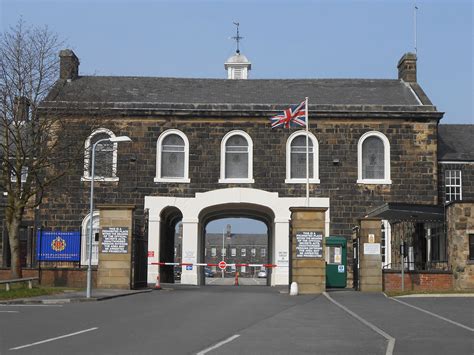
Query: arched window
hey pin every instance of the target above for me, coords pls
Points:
(236, 158)
(105, 156)
(296, 158)
(373, 156)
(172, 157)
(85, 239)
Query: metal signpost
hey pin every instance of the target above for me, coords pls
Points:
(89, 262)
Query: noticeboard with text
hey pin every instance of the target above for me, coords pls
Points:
(58, 246)
(309, 244)
(114, 240)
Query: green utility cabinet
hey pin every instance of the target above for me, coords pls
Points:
(336, 262)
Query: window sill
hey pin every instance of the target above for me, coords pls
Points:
(301, 181)
(177, 180)
(100, 178)
(375, 181)
(236, 181)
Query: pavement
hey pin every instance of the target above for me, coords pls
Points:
(75, 296)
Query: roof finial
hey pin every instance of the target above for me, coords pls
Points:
(237, 38)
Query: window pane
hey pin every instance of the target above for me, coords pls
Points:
(172, 157)
(373, 158)
(173, 141)
(453, 185)
(298, 158)
(104, 156)
(172, 164)
(236, 157)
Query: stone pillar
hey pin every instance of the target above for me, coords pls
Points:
(115, 246)
(370, 259)
(190, 251)
(153, 248)
(308, 267)
(281, 252)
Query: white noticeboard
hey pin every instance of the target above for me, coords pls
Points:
(371, 248)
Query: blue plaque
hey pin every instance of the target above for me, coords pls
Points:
(58, 246)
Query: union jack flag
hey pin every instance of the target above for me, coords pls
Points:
(295, 116)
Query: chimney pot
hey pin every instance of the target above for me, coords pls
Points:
(68, 65)
(407, 68)
(22, 108)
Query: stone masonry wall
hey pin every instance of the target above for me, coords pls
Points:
(460, 223)
(413, 146)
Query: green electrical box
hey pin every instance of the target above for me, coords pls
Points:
(336, 262)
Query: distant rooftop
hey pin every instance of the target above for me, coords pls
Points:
(456, 142)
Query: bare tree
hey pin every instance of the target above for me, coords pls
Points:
(31, 144)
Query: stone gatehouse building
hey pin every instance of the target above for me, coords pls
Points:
(204, 149)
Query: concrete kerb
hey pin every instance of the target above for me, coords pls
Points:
(435, 295)
(74, 297)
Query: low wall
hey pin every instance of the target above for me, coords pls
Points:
(60, 277)
(418, 280)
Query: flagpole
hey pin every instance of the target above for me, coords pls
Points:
(307, 152)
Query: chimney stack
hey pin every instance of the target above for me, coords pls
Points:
(407, 68)
(68, 65)
(22, 108)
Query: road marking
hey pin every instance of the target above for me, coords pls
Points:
(434, 315)
(31, 305)
(228, 340)
(9, 311)
(391, 340)
(53, 339)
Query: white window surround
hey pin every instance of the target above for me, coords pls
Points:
(386, 145)
(185, 178)
(249, 179)
(315, 179)
(84, 238)
(88, 154)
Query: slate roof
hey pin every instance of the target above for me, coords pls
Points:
(456, 142)
(153, 90)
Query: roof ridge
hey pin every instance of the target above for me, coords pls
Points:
(229, 80)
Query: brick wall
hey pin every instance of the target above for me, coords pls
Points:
(75, 278)
(418, 281)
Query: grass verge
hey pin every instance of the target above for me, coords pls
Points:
(25, 292)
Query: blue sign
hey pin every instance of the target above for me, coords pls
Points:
(58, 246)
(189, 267)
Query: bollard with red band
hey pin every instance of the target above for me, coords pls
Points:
(157, 285)
(236, 282)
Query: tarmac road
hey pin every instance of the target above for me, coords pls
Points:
(241, 320)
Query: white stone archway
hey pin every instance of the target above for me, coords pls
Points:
(192, 208)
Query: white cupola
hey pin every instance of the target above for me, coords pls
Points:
(237, 66)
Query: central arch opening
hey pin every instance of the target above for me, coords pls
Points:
(240, 235)
(242, 243)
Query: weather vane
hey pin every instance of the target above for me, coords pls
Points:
(237, 38)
